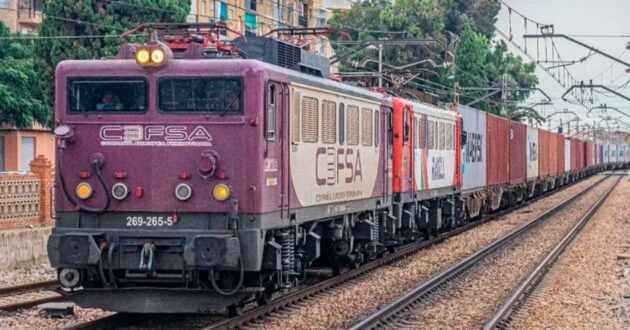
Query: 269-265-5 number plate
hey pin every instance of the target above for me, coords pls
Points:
(150, 221)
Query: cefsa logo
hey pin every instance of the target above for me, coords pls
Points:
(154, 135)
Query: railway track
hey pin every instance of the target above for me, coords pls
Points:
(511, 306)
(28, 288)
(396, 313)
(276, 307)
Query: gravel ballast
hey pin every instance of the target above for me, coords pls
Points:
(385, 284)
(478, 294)
(587, 286)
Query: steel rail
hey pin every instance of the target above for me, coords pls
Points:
(28, 287)
(502, 317)
(390, 311)
(315, 289)
(30, 303)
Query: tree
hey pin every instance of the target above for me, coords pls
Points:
(478, 63)
(68, 18)
(21, 93)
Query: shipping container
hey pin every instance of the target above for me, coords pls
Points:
(553, 154)
(498, 146)
(518, 152)
(576, 154)
(567, 155)
(532, 152)
(623, 153)
(560, 167)
(474, 152)
(588, 154)
(544, 159)
(598, 157)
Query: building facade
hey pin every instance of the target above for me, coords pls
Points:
(252, 17)
(21, 16)
(19, 147)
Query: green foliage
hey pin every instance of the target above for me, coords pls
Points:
(477, 64)
(21, 95)
(95, 18)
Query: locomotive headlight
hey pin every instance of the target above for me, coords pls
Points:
(183, 191)
(120, 191)
(143, 56)
(221, 192)
(84, 190)
(157, 56)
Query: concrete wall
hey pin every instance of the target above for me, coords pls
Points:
(44, 145)
(23, 246)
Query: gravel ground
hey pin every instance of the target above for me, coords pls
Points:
(36, 273)
(34, 318)
(586, 289)
(478, 294)
(387, 283)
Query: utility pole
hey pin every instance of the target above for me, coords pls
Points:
(504, 96)
(380, 65)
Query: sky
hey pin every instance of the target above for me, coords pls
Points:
(577, 18)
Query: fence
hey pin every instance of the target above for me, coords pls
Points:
(27, 198)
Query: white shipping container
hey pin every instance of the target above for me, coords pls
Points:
(532, 153)
(474, 152)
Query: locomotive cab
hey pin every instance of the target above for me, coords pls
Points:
(157, 179)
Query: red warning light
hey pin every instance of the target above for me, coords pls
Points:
(139, 192)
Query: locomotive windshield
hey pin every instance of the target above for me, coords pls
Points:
(206, 95)
(107, 95)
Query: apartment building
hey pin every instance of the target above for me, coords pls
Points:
(21, 16)
(253, 17)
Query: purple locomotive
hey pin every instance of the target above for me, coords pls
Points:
(187, 184)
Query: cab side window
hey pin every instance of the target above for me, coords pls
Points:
(271, 114)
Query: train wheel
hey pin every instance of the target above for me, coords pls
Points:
(236, 310)
(263, 298)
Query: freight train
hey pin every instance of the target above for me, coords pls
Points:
(190, 184)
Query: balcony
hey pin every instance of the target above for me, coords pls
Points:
(30, 12)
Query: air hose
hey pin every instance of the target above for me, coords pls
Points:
(64, 187)
(238, 286)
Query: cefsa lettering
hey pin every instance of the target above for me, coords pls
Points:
(334, 166)
(154, 135)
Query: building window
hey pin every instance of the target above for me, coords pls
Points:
(1, 153)
(4, 4)
(203, 8)
(193, 16)
(251, 4)
(290, 14)
(251, 24)
(28, 153)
